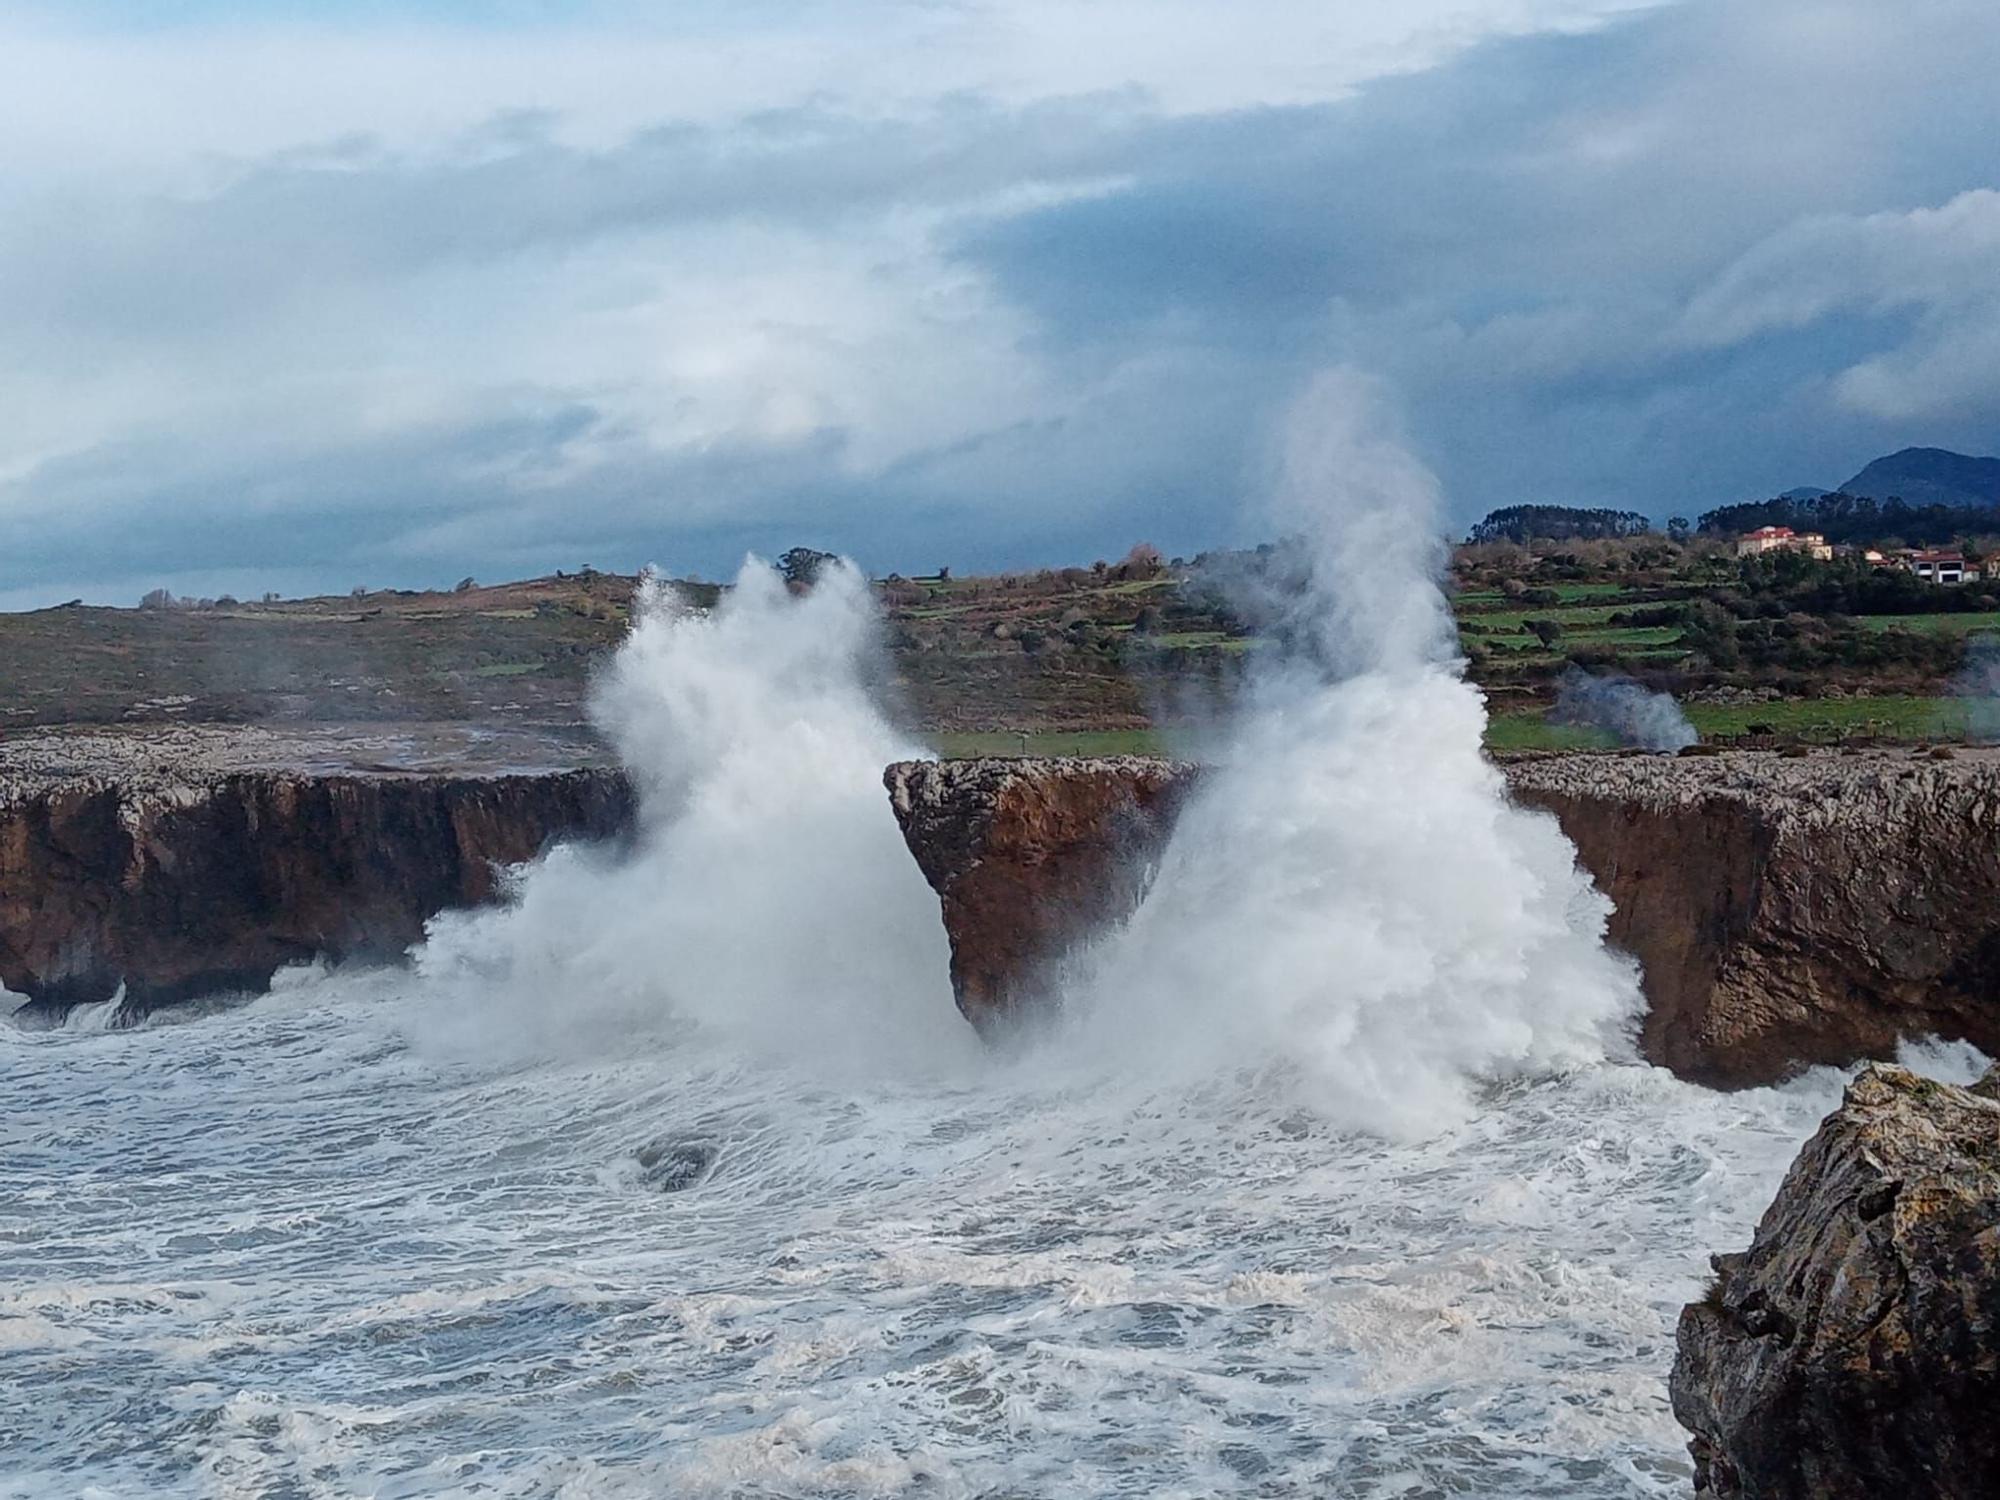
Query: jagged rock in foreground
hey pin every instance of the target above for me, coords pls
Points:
(1785, 911)
(1853, 1353)
(1029, 855)
(162, 863)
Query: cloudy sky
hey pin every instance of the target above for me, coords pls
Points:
(308, 295)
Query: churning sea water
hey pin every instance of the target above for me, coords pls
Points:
(302, 1248)
(678, 1176)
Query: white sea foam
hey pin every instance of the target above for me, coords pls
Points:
(100, 1015)
(281, 1249)
(768, 896)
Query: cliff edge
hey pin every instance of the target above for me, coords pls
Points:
(1785, 911)
(1792, 910)
(176, 865)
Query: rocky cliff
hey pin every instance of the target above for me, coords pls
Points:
(181, 872)
(1784, 910)
(1028, 856)
(1853, 1352)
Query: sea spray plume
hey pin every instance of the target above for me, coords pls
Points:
(1634, 715)
(768, 895)
(1368, 518)
(1350, 892)
(1977, 686)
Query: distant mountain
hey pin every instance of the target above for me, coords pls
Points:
(1930, 476)
(1805, 492)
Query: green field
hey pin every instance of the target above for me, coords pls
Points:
(1902, 718)
(1964, 624)
(1063, 653)
(1624, 635)
(1570, 592)
(1528, 730)
(1500, 620)
(1891, 718)
(507, 669)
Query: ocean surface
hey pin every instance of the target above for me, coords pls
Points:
(677, 1174)
(321, 1245)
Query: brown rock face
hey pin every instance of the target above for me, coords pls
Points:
(1792, 911)
(1853, 1352)
(1028, 856)
(1784, 911)
(177, 890)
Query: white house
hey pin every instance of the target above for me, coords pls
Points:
(1938, 567)
(1783, 539)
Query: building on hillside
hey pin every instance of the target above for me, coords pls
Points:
(1783, 539)
(1938, 567)
(1764, 539)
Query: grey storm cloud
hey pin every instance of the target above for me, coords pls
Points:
(1937, 270)
(1706, 252)
(1697, 257)
(361, 212)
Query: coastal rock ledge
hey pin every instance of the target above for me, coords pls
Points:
(1853, 1352)
(178, 871)
(1784, 911)
(1028, 856)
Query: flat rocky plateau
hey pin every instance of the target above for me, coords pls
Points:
(149, 757)
(1819, 781)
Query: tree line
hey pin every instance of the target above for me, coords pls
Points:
(1838, 516)
(1558, 523)
(1842, 517)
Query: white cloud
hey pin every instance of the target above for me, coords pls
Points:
(707, 232)
(1939, 266)
(174, 95)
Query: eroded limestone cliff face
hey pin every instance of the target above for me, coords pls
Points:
(1792, 910)
(179, 882)
(1853, 1352)
(1784, 911)
(1028, 856)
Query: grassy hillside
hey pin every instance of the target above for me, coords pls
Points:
(1083, 660)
